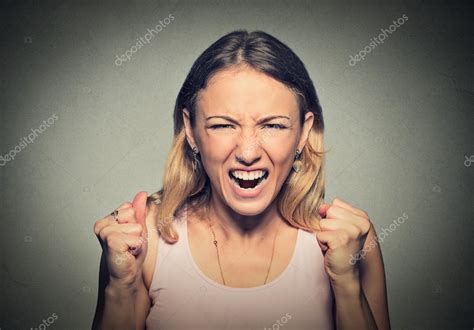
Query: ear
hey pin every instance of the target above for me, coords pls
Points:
(307, 125)
(188, 128)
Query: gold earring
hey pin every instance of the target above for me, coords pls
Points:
(297, 164)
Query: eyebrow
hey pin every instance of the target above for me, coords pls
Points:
(264, 119)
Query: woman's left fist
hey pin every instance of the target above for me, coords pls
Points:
(344, 230)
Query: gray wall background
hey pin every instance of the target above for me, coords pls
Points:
(399, 124)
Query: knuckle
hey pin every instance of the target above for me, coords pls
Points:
(128, 214)
(364, 213)
(103, 235)
(134, 229)
(96, 227)
(354, 231)
(366, 226)
(323, 223)
(126, 205)
(364, 229)
(331, 211)
(343, 237)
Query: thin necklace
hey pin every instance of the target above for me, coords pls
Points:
(217, 251)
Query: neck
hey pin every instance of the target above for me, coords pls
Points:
(244, 230)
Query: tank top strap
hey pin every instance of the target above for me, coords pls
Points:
(164, 249)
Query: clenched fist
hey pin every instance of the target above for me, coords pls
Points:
(344, 230)
(124, 242)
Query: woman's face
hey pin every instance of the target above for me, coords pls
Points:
(247, 124)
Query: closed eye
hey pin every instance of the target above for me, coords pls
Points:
(277, 126)
(219, 126)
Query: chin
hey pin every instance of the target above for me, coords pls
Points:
(248, 208)
(248, 203)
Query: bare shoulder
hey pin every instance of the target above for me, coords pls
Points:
(152, 240)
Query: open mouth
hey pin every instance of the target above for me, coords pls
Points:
(246, 181)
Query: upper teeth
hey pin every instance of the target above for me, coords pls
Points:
(244, 175)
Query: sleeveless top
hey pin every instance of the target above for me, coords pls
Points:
(183, 297)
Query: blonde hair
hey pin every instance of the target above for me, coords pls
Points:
(302, 193)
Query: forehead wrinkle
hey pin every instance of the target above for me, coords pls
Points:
(232, 105)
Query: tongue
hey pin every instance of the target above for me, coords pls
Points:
(248, 183)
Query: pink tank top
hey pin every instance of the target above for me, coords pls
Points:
(183, 297)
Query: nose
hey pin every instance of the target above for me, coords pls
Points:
(248, 149)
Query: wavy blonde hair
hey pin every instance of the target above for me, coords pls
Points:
(302, 193)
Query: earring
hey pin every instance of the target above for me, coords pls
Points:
(297, 164)
(195, 160)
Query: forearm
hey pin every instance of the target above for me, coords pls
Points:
(352, 308)
(119, 308)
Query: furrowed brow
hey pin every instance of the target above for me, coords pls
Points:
(261, 120)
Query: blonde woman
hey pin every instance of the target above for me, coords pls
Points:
(239, 236)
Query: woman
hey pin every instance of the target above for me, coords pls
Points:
(239, 236)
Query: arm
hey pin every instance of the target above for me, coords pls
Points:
(372, 277)
(352, 309)
(361, 299)
(123, 301)
(120, 307)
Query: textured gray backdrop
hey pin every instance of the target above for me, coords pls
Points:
(399, 126)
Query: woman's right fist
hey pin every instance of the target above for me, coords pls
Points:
(124, 242)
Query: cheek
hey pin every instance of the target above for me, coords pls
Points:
(216, 155)
(281, 149)
(219, 141)
(280, 157)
